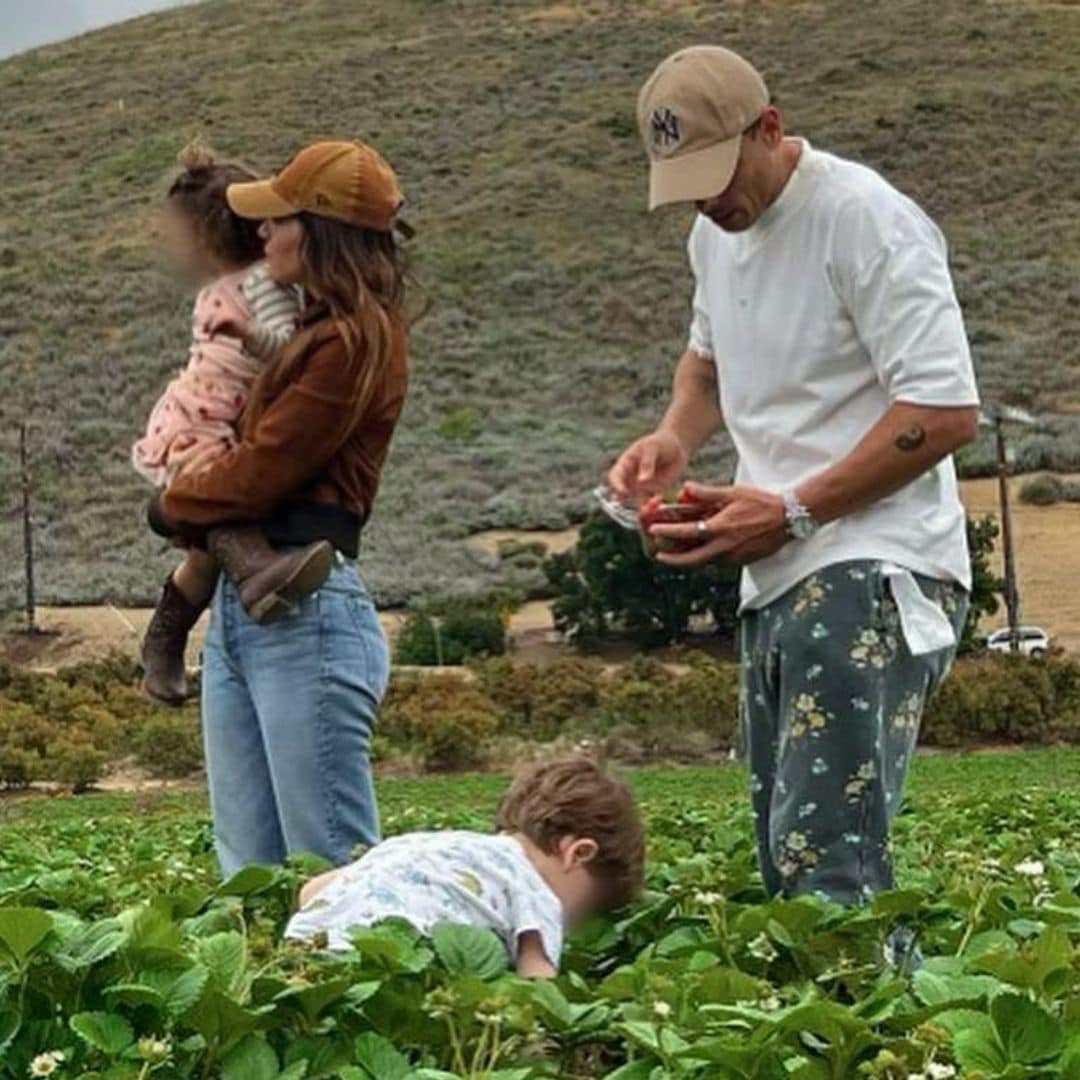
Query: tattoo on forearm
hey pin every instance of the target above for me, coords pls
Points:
(911, 439)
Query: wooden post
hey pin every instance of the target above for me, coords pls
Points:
(28, 531)
(1012, 595)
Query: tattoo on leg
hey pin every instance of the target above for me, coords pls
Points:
(911, 439)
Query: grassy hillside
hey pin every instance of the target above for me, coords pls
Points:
(557, 302)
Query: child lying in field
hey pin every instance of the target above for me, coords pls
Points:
(569, 844)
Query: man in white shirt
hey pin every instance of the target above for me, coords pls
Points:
(827, 339)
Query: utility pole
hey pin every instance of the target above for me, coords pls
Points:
(28, 531)
(996, 417)
(1012, 595)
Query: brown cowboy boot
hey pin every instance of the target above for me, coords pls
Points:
(270, 583)
(164, 645)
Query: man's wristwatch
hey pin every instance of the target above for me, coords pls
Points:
(799, 521)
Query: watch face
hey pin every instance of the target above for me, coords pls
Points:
(802, 526)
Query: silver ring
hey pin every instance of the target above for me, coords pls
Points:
(702, 527)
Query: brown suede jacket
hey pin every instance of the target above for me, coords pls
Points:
(307, 465)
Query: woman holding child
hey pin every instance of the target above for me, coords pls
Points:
(295, 660)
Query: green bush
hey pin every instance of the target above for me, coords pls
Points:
(24, 735)
(69, 749)
(451, 632)
(542, 702)
(446, 720)
(659, 707)
(169, 744)
(1042, 490)
(607, 587)
(65, 728)
(1006, 699)
(986, 586)
(75, 760)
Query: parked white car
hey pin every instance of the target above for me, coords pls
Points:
(1034, 641)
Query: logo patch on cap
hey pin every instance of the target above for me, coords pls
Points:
(665, 127)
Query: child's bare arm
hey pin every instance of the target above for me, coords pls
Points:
(532, 961)
(312, 888)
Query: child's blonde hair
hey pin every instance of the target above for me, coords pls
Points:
(576, 796)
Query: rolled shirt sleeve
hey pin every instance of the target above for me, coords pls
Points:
(898, 289)
(700, 338)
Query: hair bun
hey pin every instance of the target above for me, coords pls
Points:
(196, 155)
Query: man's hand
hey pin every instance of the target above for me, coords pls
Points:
(647, 466)
(746, 524)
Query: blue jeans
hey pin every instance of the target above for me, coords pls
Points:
(287, 716)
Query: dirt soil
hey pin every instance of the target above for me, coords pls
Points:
(1048, 561)
(1046, 541)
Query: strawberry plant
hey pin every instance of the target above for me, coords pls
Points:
(123, 958)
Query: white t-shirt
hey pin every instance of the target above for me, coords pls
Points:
(433, 877)
(836, 303)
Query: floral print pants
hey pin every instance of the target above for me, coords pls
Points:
(832, 699)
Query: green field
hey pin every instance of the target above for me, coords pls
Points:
(704, 979)
(557, 302)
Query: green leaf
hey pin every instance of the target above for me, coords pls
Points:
(134, 994)
(469, 950)
(312, 1000)
(90, 945)
(250, 879)
(22, 930)
(224, 956)
(185, 990)
(393, 945)
(636, 1070)
(1031, 965)
(1028, 1033)
(107, 1032)
(898, 902)
(219, 1019)
(10, 1022)
(933, 989)
(978, 1050)
(150, 927)
(252, 1058)
(380, 1059)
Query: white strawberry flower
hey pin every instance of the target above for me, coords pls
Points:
(937, 1071)
(662, 1009)
(47, 1063)
(1030, 868)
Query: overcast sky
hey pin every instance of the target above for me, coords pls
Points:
(26, 23)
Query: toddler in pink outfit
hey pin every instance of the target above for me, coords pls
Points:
(242, 318)
(195, 420)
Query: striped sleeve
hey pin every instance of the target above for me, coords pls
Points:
(275, 308)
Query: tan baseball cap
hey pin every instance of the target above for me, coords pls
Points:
(347, 181)
(692, 112)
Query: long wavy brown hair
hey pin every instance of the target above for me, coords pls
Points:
(361, 275)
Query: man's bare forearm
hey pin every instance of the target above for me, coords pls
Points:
(906, 442)
(694, 413)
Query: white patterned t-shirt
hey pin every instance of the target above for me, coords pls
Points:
(438, 877)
